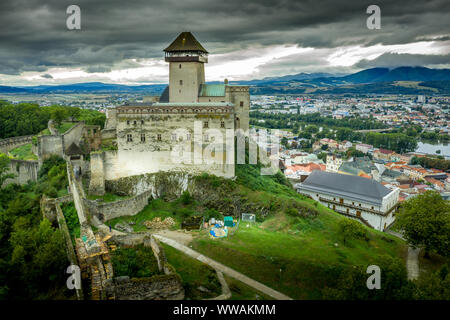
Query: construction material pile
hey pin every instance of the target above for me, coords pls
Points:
(157, 223)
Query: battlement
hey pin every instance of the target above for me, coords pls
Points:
(178, 108)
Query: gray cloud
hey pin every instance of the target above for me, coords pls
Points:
(394, 60)
(34, 37)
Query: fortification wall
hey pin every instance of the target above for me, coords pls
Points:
(160, 287)
(130, 163)
(109, 133)
(73, 135)
(50, 145)
(14, 142)
(159, 184)
(78, 195)
(164, 287)
(110, 210)
(48, 205)
(97, 181)
(24, 171)
(111, 114)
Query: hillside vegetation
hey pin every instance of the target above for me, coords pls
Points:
(301, 238)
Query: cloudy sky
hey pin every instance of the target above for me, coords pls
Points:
(122, 41)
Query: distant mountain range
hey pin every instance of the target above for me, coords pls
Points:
(401, 80)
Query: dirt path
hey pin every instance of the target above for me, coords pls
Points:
(179, 236)
(412, 261)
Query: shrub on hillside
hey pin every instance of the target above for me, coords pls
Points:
(186, 198)
(297, 209)
(351, 229)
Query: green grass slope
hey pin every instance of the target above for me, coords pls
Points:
(297, 236)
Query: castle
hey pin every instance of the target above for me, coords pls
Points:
(190, 127)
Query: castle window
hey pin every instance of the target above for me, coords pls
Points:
(179, 66)
(128, 122)
(188, 136)
(179, 91)
(142, 121)
(158, 137)
(205, 124)
(181, 82)
(142, 137)
(134, 122)
(241, 103)
(206, 137)
(174, 137)
(129, 138)
(222, 124)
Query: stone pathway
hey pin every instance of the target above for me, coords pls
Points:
(226, 293)
(412, 261)
(182, 237)
(222, 268)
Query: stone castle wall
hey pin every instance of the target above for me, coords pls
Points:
(97, 181)
(24, 171)
(56, 144)
(49, 145)
(110, 210)
(164, 287)
(160, 287)
(14, 142)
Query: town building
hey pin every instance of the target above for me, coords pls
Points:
(365, 148)
(334, 162)
(363, 199)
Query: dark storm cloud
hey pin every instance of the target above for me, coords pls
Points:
(395, 59)
(33, 33)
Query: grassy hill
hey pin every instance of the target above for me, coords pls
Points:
(292, 233)
(305, 243)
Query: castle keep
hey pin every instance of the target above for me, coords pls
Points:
(190, 127)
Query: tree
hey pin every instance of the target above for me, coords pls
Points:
(322, 156)
(4, 168)
(58, 115)
(434, 286)
(425, 220)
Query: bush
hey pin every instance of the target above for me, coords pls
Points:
(184, 212)
(186, 198)
(351, 229)
(136, 262)
(212, 213)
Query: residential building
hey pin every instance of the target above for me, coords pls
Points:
(366, 200)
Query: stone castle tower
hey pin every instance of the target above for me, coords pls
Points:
(190, 112)
(186, 57)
